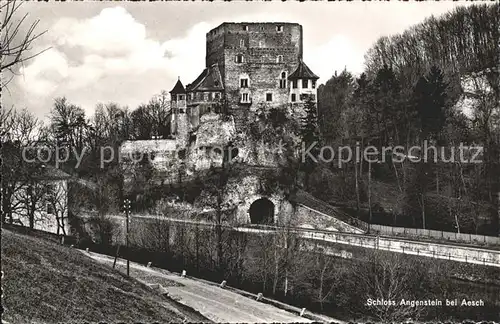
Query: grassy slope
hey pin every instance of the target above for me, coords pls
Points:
(46, 282)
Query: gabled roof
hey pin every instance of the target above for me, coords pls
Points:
(178, 88)
(303, 72)
(209, 80)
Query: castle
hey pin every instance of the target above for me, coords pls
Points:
(249, 66)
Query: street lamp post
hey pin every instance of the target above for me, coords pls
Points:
(126, 207)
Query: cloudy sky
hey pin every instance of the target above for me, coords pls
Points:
(126, 52)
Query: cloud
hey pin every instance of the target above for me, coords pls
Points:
(112, 46)
(45, 72)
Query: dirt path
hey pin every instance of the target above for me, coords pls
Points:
(217, 304)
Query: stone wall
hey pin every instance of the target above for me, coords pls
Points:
(310, 218)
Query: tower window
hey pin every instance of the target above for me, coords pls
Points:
(243, 83)
(239, 58)
(294, 97)
(50, 209)
(305, 84)
(245, 97)
(283, 80)
(269, 97)
(279, 28)
(314, 84)
(279, 59)
(217, 95)
(245, 27)
(181, 97)
(294, 84)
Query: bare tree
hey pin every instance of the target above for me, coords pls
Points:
(16, 44)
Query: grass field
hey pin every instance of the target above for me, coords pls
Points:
(48, 283)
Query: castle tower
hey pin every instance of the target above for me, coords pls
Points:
(255, 60)
(179, 120)
(302, 87)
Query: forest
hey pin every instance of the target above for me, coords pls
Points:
(436, 83)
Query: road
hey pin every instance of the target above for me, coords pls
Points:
(213, 302)
(438, 250)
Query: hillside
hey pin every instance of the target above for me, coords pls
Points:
(66, 286)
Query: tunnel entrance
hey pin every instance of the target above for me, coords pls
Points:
(262, 211)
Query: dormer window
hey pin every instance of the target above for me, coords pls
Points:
(279, 28)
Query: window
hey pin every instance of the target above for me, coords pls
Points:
(242, 43)
(303, 96)
(305, 84)
(217, 95)
(210, 96)
(245, 97)
(279, 59)
(243, 83)
(279, 28)
(294, 84)
(314, 84)
(50, 209)
(261, 44)
(269, 97)
(261, 28)
(283, 80)
(294, 97)
(181, 97)
(245, 27)
(239, 58)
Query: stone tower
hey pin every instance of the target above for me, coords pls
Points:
(302, 86)
(179, 119)
(255, 60)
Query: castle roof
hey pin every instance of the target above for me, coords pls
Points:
(209, 80)
(303, 72)
(178, 88)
